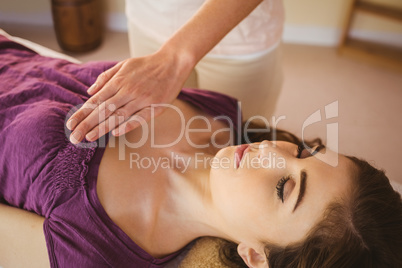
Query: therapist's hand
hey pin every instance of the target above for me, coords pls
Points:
(122, 95)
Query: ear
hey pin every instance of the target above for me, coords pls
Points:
(253, 258)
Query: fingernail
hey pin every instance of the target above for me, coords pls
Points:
(75, 137)
(71, 124)
(91, 135)
(91, 88)
(115, 132)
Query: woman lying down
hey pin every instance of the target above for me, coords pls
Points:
(138, 200)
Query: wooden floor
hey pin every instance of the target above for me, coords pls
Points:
(369, 97)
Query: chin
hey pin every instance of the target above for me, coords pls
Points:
(226, 152)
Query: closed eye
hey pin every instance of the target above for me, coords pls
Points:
(284, 187)
(280, 187)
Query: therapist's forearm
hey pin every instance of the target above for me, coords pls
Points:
(206, 28)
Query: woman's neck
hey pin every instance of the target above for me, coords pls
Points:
(186, 210)
(160, 197)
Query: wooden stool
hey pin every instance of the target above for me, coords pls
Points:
(78, 24)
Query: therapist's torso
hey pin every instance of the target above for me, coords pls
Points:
(160, 19)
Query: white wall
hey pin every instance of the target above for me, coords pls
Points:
(307, 21)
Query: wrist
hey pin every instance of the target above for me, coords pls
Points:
(180, 58)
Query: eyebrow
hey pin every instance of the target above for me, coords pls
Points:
(302, 188)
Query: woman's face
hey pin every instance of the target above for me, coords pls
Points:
(275, 193)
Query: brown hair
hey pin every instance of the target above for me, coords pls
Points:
(364, 230)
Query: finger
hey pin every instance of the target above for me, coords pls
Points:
(116, 110)
(111, 89)
(91, 122)
(138, 119)
(114, 120)
(119, 116)
(87, 108)
(81, 113)
(85, 125)
(103, 78)
(97, 124)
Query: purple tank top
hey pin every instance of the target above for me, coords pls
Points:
(44, 173)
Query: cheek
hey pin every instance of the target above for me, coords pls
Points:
(226, 187)
(245, 197)
(255, 212)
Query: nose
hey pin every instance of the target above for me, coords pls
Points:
(279, 147)
(273, 155)
(261, 146)
(265, 144)
(264, 147)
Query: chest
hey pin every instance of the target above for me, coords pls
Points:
(135, 166)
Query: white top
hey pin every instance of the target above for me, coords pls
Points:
(257, 33)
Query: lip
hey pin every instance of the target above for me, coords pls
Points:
(240, 152)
